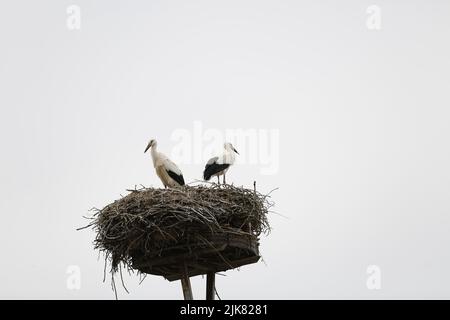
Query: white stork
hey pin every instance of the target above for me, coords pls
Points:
(218, 166)
(166, 170)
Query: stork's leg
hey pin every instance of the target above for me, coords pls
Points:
(224, 182)
(218, 179)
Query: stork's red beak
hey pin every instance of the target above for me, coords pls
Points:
(235, 150)
(148, 147)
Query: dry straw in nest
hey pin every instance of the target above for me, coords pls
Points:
(148, 221)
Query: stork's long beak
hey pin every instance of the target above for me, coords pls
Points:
(148, 147)
(235, 150)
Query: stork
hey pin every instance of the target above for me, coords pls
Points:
(218, 166)
(166, 170)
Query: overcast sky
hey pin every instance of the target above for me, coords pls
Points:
(348, 107)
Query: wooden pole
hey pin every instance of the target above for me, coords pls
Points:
(210, 285)
(186, 284)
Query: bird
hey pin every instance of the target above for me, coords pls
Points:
(218, 166)
(166, 170)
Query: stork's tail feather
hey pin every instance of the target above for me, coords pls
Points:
(213, 169)
(177, 177)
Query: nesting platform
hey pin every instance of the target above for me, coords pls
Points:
(224, 252)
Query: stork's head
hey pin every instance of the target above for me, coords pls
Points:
(152, 143)
(228, 146)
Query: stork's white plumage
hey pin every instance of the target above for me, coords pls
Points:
(218, 166)
(166, 170)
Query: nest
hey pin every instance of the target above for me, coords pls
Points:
(198, 228)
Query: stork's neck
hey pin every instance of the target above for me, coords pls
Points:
(229, 156)
(154, 153)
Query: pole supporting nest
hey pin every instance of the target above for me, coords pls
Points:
(186, 284)
(187, 289)
(210, 285)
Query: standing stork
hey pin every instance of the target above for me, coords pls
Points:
(166, 170)
(218, 166)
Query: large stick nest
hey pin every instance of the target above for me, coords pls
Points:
(148, 221)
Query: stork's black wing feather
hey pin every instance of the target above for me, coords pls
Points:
(213, 168)
(177, 177)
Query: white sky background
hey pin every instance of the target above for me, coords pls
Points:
(363, 118)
